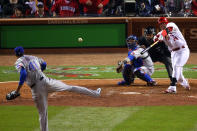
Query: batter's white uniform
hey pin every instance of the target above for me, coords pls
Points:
(179, 53)
(148, 66)
(41, 85)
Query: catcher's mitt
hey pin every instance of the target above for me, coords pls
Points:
(119, 67)
(12, 95)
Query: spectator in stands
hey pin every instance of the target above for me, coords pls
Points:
(47, 6)
(66, 8)
(162, 2)
(53, 3)
(93, 7)
(143, 9)
(158, 8)
(187, 8)
(40, 12)
(9, 6)
(174, 7)
(1, 8)
(194, 7)
(171, 6)
(114, 8)
(32, 7)
(18, 11)
(149, 7)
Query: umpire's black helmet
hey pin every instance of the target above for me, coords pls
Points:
(149, 30)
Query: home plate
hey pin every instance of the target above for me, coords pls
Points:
(130, 93)
(193, 96)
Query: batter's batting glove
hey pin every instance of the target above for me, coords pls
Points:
(12, 95)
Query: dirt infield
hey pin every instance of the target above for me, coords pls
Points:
(112, 95)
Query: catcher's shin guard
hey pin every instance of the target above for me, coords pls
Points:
(128, 74)
(143, 76)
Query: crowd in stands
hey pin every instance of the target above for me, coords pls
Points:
(69, 8)
(169, 8)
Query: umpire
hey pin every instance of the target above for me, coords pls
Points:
(159, 52)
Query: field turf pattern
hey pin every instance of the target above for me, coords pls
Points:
(140, 118)
(67, 118)
(8, 73)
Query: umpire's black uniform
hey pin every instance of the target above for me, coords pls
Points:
(158, 53)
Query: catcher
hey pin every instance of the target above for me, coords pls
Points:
(31, 70)
(136, 64)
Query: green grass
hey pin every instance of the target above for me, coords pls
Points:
(140, 118)
(161, 118)
(8, 73)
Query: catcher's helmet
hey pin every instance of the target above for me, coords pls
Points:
(150, 30)
(132, 45)
(19, 51)
(162, 20)
(132, 37)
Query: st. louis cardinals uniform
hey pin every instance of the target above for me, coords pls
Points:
(179, 54)
(41, 85)
(66, 8)
(93, 9)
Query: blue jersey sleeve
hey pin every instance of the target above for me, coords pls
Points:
(23, 75)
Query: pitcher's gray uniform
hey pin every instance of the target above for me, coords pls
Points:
(41, 85)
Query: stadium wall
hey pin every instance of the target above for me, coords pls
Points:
(102, 32)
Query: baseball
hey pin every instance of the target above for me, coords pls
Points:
(80, 39)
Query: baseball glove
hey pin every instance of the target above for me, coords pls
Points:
(119, 67)
(12, 95)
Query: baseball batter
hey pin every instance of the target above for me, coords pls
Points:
(31, 70)
(180, 52)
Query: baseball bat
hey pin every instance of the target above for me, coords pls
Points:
(148, 48)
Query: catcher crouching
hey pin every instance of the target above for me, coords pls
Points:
(136, 64)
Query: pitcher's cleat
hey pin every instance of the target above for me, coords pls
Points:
(98, 91)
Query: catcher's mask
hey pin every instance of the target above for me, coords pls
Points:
(19, 51)
(132, 42)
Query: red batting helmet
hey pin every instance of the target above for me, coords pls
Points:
(162, 20)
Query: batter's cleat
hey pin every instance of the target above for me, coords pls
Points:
(188, 88)
(169, 91)
(152, 83)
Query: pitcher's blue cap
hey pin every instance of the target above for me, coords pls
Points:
(19, 51)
